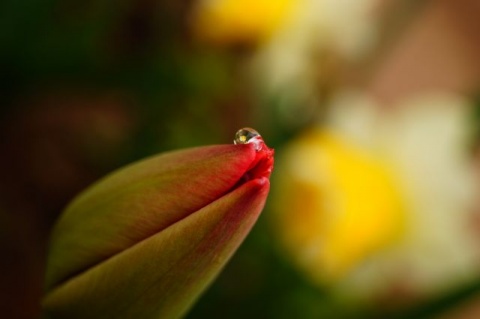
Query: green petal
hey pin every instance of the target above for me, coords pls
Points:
(164, 274)
(146, 241)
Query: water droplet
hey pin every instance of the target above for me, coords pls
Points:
(248, 135)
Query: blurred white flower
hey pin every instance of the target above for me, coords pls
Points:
(291, 59)
(425, 140)
(422, 144)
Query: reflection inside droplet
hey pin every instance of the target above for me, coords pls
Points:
(248, 136)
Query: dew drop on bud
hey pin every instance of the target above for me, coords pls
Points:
(248, 135)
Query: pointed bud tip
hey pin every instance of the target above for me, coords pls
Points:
(262, 164)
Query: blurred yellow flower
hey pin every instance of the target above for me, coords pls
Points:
(378, 200)
(337, 204)
(240, 21)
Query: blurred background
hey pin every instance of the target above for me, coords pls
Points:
(372, 107)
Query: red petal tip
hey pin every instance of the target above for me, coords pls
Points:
(262, 165)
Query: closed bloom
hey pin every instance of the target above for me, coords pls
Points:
(145, 241)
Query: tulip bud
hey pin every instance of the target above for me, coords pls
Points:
(145, 241)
